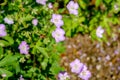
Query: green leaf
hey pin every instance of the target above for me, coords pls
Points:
(1, 50)
(3, 43)
(66, 1)
(44, 64)
(7, 73)
(93, 34)
(9, 39)
(55, 69)
(107, 1)
(82, 4)
(8, 60)
(43, 51)
(97, 3)
(6, 41)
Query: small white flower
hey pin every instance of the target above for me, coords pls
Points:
(50, 5)
(107, 57)
(99, 32)
(116, 7)
(35, 22)
(8, 20)
(21, 77)
(3, 75)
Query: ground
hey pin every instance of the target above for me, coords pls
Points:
(102, 58)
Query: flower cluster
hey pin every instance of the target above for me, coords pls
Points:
(63, 76)
(58, 34)
(2, 30)
(80, 69)
(23, 47)
(73, 7)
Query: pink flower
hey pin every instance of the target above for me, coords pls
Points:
(63, 76)
(2, 30)
(21, 77)
(50, 5)
(73, 7)
(58, 34)
(57, 20)
(35, 22)
(23, 47)
(3, 75)
(76, 66)
(99, 32)
(42, 2)
(85, 74)
(8, 20)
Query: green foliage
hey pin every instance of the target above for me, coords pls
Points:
(42, 62)
(7, 62)
(6, 41)
(98, 2)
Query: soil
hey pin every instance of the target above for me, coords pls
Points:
(101, 58)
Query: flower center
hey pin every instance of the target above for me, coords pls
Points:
(72, 8)
(56, 20)
(83, 73)
(76, 66)
(23, 48)
(57, 34)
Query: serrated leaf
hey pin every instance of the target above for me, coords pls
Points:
(93, 34)
(8, 60)
(3, 43)
(43, 51)
(44, 63)
(55, 69)
(9, 39)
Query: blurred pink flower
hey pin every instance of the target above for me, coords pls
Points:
(50, 5)
(85, 74)
(42, 2)
(58, 34)
(8, 20)
(23, 47)
(63, 76)
(73, 7)
(99, 32)
(35, 22)
(57, 20)
(21, 77)
(76, 66)
(2, 30)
